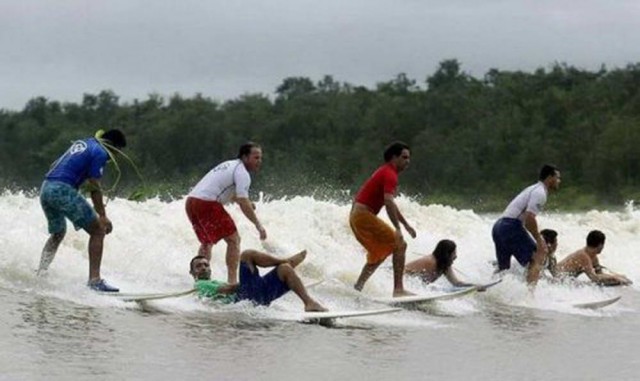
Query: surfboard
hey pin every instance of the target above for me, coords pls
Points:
(598, 304)
(141, 297)
(479, 286)
(321, 317)
(490, 284)
(404, 301)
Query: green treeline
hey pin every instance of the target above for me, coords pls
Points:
(475, 142)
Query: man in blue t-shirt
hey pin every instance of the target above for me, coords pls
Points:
(83, 162)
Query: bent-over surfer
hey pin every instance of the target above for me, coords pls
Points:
(378, 238)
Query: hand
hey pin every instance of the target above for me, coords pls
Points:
(263, 233)
(410, 230)
(106, 224)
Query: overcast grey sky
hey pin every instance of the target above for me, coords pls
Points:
(64, 48)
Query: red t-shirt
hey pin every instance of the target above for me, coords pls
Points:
(384, 180)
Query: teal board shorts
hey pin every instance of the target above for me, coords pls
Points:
(60, 200)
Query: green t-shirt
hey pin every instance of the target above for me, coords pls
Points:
(210, 289)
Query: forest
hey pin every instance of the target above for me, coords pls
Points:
(475, 142)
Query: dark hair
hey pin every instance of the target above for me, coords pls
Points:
(444, 254)
(595, 238)
(246, 148)
(394, 149)
(549, 235)
(547, 170)
(116, 138)
(193, 260)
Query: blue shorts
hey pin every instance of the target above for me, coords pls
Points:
(260, 290)
(511, 238)
(60, 200)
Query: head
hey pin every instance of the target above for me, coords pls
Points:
(251, 155)
(551, 239)
(115, 138)
(445, 254)
(595, 240)
(399, 154)
(550, 176)
(199, 268)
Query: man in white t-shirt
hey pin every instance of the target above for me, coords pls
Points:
(227, 182)
(513, 231)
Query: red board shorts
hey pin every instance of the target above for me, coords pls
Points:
(209, 220)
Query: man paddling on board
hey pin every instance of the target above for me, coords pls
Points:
(227, 182)
(431, 267)
(586, 261)
(83, 162)
(513, 231)
(261, 290)
(378, 238)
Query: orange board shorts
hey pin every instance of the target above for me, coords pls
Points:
(209, 220)
(374, 234)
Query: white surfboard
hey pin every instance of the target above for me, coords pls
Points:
(331, 315)
(598, 304)
(142, 297)
(405, 301)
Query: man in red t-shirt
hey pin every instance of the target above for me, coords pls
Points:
(375, 235)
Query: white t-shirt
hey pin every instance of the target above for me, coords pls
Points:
(531, 199)
(223, 182)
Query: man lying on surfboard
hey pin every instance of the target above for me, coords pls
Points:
(431, 267)
(261, 290)
(586, 261)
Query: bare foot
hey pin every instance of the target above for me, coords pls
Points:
(296, 259)
(314, 306)
(402, 292)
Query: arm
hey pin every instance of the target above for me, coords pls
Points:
(247, 209)
(228, 289)
(600, 278)
(395, 216)
(406, 225)
(451, 277)
(98, 204)
(553, 265)
(531, 224)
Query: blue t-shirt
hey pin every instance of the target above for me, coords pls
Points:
(85, 159)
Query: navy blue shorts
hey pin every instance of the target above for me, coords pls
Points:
(260, 290)
(512, 239)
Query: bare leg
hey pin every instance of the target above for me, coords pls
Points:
(255, 258)
(96, 241)
(398, 271)
(534, 268)
(232, 257)
(291, 279)
(49, 251)
(365, 274)
(205, 250)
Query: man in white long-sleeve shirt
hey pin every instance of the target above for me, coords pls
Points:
(513, 231)
(227, 182)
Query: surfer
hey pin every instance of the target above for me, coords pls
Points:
(513, 231)
(228, 181)
(586, 261)
(261, 290)
(378, 238)
(550, 237)
(82, 163)
(431, 267)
